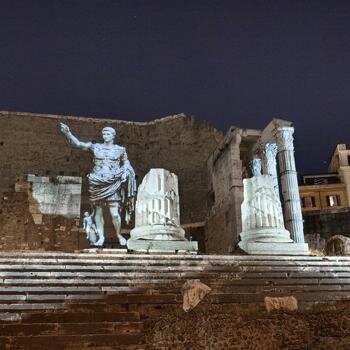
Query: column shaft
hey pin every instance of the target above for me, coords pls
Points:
(289, 183)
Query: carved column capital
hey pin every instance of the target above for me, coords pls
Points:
(284, 138)
(270, 151)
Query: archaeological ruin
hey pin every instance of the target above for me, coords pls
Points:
(167, 234)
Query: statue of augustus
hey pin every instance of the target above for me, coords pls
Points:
(111, 181)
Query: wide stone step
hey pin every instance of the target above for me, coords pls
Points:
(69, 341)
(48, 286)
(69, 316)
(168, 262)
(48, 297)
(5, 275)
(102, 271)
(70, 328)
(229, 279)
(268, 288)
(47, 289)
(30, 290)
(239, 298)
(182, 257)
(31, 306)
(77, 282)
(256, 273)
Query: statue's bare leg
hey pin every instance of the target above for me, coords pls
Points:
(99, 226)
(117, 222)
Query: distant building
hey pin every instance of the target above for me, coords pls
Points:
(330, 190)
(325, 200)
(322, 191)
(340, 163)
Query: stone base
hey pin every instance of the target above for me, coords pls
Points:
(158, 232)
(144, 245)
(266, 235)
(259, 248)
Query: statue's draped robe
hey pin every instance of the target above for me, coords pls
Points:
(112, 179)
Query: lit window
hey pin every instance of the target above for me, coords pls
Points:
(333, 200)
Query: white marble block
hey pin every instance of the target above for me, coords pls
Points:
(59, 195)
(157, 213)
(263, 230)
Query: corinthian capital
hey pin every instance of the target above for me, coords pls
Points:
(270, 152)
(284, 138)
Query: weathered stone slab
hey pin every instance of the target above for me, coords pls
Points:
(193, 292)
(276, 248)
(58, 195)
(288, 303)
(151, 245)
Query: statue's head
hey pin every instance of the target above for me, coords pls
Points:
(108, 134)
(86, 214)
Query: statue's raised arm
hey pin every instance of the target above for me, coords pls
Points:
(72, 139)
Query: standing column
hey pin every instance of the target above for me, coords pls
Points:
(289, 183)
(270, 164)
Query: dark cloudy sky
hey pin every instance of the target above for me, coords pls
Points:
(229, 62)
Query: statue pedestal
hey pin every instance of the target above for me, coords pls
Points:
(158, 232)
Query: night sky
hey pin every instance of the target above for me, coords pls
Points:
(229, 62)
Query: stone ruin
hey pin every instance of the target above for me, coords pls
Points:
(157, 215)
(263, 230)
(114, 299)
(209, 165)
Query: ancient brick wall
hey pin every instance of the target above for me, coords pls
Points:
(19, 231)
(225, 195)
(226, 167)
(33, 144)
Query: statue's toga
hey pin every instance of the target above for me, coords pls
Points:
(111, 181)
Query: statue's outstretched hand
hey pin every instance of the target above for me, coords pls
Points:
(64, 128)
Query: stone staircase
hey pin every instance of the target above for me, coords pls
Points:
(101, 300)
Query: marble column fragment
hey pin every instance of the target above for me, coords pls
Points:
(270, 163)
(289, 183)
(157, 215)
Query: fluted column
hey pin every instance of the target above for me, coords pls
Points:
(289, 183)
(270, 164)
(255, 166)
